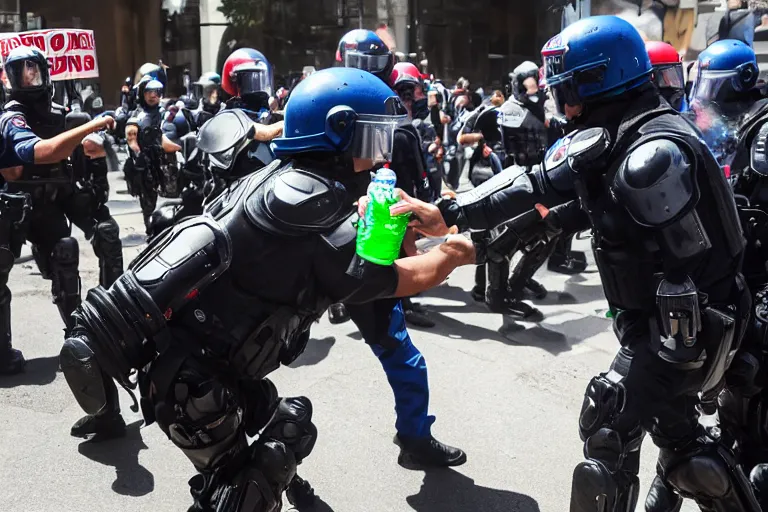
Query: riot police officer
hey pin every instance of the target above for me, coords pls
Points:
(147, 171)
(382, 324)
(726, 86)
(668, 246)
(208, 90)
(511, 134)
(668, 73)
(31, 207)
(247, 79)
(239, 289)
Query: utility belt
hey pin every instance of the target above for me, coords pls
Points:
(58, 174)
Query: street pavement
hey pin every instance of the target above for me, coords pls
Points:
(509, 394)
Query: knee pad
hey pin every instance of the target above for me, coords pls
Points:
(106, 232)
(603, 402)
(258, 486)
(292, 425)
(83, 375)
(702, 475)
(66, 253)
(595, 488)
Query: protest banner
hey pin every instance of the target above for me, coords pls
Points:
(71, 53)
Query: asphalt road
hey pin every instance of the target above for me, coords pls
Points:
(509, 394)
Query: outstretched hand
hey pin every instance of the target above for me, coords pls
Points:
(425, 217)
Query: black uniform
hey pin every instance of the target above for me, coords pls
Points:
(56, 252)
(142, 170)
(742, 406)
(669, 246)
(517, 137)
(223, 300)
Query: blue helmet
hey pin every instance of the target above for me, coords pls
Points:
(363, 49)
(148, 84)
(156, 71)
(725, 70)
(341, 110)
(595, 58)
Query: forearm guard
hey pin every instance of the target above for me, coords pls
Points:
(503, 197)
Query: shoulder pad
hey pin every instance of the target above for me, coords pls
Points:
(296, 202)
(656, 183)
(344, 234)
(758, 159)
(14, 106)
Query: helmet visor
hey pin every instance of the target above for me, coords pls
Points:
(713, 85)
(669, 76)
(253, 80)
(370, 63)
(26, 74)
(374, 136)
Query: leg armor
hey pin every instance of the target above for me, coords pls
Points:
(65, 278)
(533, 258)
(707, 472)
(94, 390)
(148, 201)
(607, 481)
(203, 417)
(109, 249)
(11, 360)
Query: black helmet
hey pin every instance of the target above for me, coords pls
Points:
(29, 77)
(517, 78)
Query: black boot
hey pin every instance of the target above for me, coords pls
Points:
(11, 360)
(300, 494)
(416, 314)
(337, 314)
(108, 424)
(537, 289)
(428, 452)
(478, 292)
(499, 301)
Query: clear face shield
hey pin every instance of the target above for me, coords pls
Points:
(669, 76)
(374, 136)
(721, 85)
(26, 74)
(153, 91)
(253, 78)
(370, 63)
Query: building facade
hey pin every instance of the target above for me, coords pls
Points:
(482, 40)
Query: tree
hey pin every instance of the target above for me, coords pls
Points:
(244, 13)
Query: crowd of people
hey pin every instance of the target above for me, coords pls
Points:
(604, 135)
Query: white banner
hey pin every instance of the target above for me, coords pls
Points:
(71, 53)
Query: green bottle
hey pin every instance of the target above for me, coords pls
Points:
(379, 234)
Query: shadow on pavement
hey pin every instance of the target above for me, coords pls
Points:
(38, 372)
(318, 506)
(555, 339)
(133, 240)
(316, 351)
(132, 479)
(446, 490)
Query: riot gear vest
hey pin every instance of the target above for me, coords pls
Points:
(45, 127)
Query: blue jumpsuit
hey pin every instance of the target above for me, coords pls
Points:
(382, 324)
